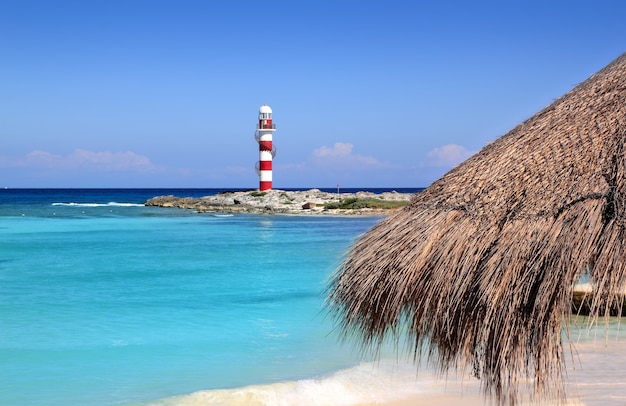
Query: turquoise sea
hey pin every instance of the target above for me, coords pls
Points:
(104, 301)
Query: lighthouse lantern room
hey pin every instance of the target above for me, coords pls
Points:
(267, 151)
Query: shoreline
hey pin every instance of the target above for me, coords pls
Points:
(276, 201)
(593, 379)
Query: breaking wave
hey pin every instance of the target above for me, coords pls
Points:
(365, 384)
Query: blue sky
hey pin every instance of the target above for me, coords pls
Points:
(365, 94)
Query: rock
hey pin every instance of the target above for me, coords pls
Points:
(277, 202)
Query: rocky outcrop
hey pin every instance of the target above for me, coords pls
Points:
(311, 201)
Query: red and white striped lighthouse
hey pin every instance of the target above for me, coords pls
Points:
(267, 152)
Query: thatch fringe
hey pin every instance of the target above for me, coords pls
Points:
(478, 270)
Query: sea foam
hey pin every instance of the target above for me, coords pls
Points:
(368, 383)
(109, 204)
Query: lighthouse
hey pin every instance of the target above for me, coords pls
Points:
(267, 152)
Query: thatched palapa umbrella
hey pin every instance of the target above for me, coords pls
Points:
(478, 270)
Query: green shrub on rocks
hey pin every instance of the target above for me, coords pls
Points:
(257, 194)
(366, 203)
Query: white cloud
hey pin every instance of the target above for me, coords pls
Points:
(340, 149)
(342, 153)
(448, 155)
(80, 158)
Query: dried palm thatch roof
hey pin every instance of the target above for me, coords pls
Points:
(479, 268)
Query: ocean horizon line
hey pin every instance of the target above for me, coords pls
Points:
(364, 188)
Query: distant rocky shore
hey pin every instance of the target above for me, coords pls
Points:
(311, 201)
